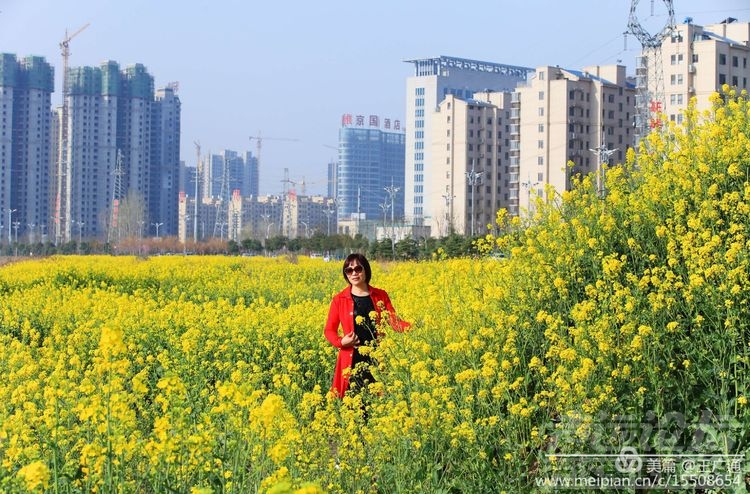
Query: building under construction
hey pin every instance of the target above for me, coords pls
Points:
(121, 142)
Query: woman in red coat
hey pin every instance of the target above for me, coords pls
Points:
(351, 309)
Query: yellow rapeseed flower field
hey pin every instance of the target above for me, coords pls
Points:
(616, 320)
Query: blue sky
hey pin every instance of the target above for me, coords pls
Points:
(291, 69)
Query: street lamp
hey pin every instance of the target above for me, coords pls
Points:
(307, 233)
(391, 190)
(268, 231)
(448, 213)
(31, 232)
(16, 224)
(602, 154)
(384, 206)
(10, 212)
(473, 180)
(80, 233)
(329, 212)
(528, 185)
(157, 225)
(186, 219)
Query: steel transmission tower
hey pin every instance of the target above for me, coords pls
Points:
(197, 190)
(114, 225)
(222, 205)
(649, 70)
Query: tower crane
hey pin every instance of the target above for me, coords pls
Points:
(259, 143)
(62, 203)
(301, 183)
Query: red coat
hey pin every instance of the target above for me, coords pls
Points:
(342, 313)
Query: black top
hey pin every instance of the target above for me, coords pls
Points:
(362, 307)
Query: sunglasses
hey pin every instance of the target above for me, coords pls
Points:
(355, 269)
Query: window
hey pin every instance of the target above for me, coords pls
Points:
(541, 111)
(735, 62)
(541, 95)
(540, 177)
(722, 59)
(540, 144)
(722, 78)
(540, 160)
(541, 127)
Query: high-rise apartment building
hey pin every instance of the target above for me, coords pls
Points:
(564, 117)
(122, 160)
(108, 150)
(471, 173)
(228, 171)
(26, 88)
(433, 80)
(165, 164)
(697, 61)
(250, 185)
(370, 159)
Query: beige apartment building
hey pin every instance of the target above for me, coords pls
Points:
(500, 149)
(471, 173)
(697, 61)
(567, 118)
(290, 215)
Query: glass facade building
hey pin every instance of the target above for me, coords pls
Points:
(370, 159)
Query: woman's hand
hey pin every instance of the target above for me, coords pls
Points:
(349, 340)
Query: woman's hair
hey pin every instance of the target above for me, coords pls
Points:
(362, 260)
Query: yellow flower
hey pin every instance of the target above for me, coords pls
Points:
(35, 474)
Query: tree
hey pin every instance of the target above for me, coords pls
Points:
(407, 249)
(251, 245)
(131, 217)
